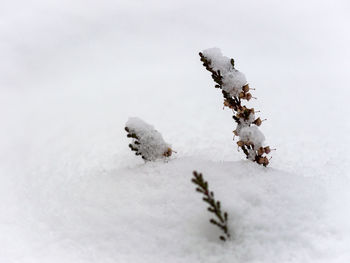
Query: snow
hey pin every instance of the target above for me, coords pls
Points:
(252, 134)
(232, 79)
(73, 72)
(217, 60)
(246, 122)
(149, 142)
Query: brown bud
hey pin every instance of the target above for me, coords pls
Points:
(240, 108)
(247, 113)
(266, 161)
(239, 115)
(240, 143)
(257, 122)
(168, 152)
(261, 151)
(241, 95)
(261, 160)
(245, 88)
(235, 132)
(267, 149)
(248, 96)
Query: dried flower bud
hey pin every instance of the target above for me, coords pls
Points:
(261, 151)
(245, 88)
(235, 132)
(267, 149)
(239, 115)
(240, 143)
(260, 160)
(241, 109)
(257, 122)
(266, 161)
(246, 111)
(241, 95)
(168, 152)
(248, 96)
(226, 103)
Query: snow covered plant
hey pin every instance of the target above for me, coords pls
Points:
(235, 89)
(146, 141)
(214, 206)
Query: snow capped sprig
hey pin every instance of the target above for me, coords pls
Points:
(146, 141)
(235, 88)
(214, 206)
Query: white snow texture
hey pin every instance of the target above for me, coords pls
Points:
(72, 72)
(152, 145)
(252, 134)
(233, 80)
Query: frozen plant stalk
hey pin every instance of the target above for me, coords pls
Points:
(235, 89)
(214, 206)
(146, 141)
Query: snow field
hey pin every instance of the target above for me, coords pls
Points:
(71, 75)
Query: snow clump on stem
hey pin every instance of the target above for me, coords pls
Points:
(146, 141)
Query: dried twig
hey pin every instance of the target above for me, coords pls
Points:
(214, 206)
(243, 116)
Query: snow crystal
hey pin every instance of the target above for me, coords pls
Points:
(151, 143)
(252, 134)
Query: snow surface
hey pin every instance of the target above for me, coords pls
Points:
(72, 72)
(151, 143)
